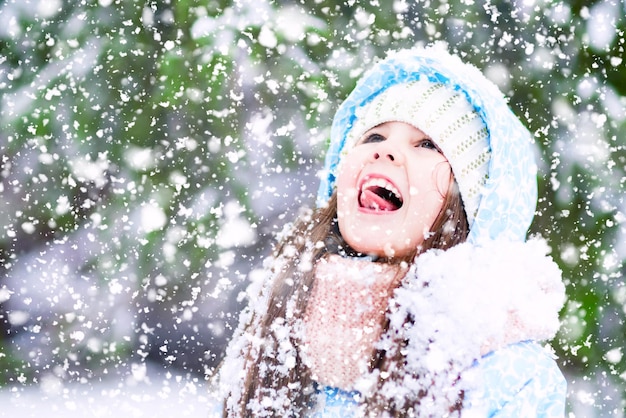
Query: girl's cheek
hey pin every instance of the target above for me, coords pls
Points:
(442, 177)
(351, 192)
(345, 194)
(353, 162)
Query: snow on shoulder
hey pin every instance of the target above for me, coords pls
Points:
(466, 302)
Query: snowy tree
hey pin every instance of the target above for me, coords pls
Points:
(151, 150)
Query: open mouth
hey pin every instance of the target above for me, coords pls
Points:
(379, 194)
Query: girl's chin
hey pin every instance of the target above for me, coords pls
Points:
(385, 250)
(372, 236)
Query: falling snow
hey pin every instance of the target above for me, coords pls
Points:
(150, 154)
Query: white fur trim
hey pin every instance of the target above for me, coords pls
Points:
(479, 298)
(462, 303)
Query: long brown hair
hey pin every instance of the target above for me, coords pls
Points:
(275, 380)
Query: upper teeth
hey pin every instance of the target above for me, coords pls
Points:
(379, 182)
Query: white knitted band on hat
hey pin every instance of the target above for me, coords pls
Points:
(445, 115)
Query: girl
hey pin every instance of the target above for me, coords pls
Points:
(411, 290)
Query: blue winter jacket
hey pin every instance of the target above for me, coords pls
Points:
(519, 381)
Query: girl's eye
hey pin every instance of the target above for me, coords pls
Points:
(373, 137)
(427, 143)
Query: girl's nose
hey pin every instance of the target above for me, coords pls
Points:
(389, 156)
(385, 152)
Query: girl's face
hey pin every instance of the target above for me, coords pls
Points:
(390, 188)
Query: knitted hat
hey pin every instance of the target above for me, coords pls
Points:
(446, 116)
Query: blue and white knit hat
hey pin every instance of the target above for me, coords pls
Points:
(496, 174)
(446, 116)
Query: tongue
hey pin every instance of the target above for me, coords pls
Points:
(371, 200)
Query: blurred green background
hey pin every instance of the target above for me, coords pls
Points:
(150, 151)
